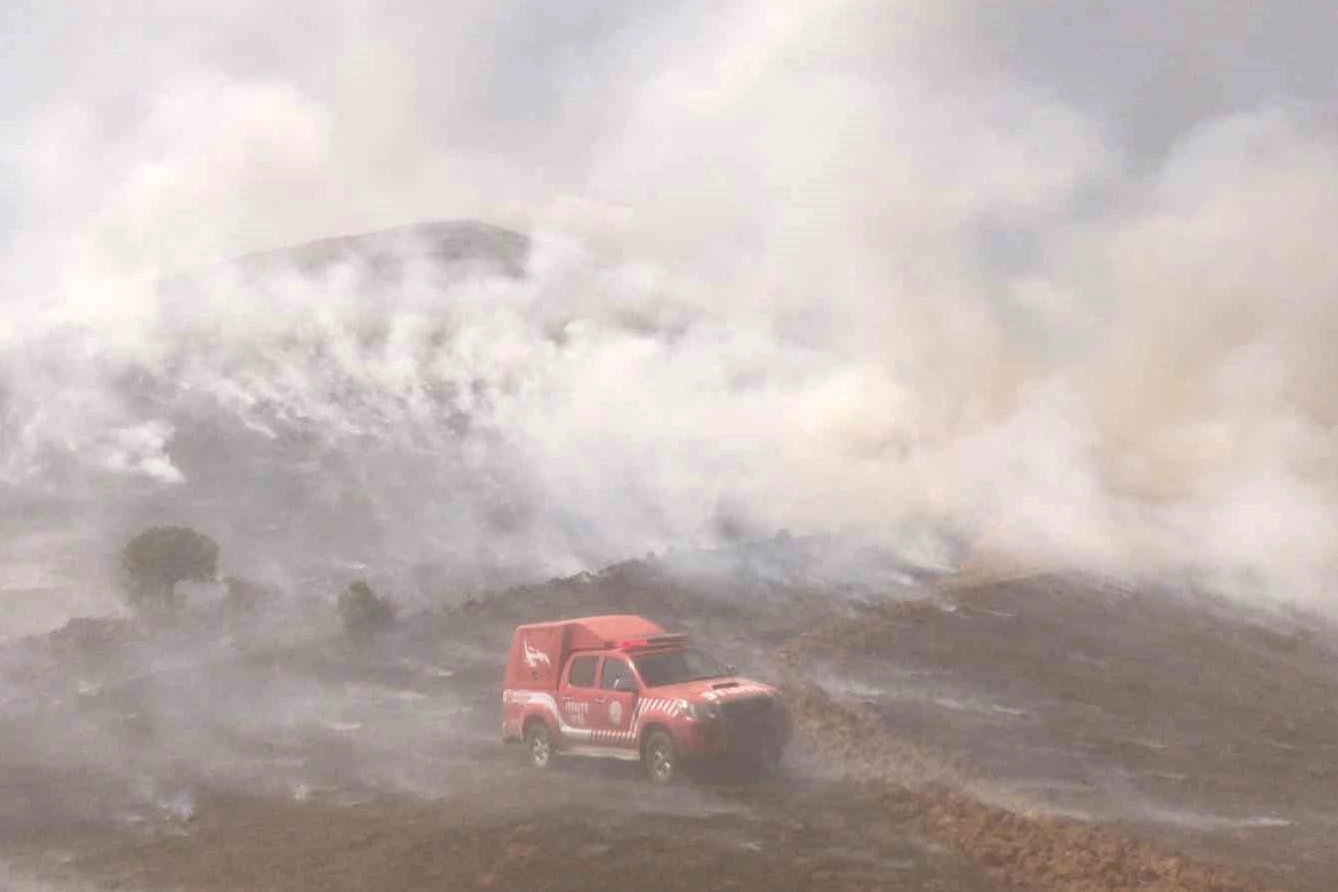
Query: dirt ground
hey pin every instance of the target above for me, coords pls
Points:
(1045, 733)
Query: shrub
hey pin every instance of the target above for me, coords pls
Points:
(245, 596)
(362, 611)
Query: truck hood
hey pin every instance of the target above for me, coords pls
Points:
(714, 690)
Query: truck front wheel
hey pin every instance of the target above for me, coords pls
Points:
(660, 758)
(539, 743)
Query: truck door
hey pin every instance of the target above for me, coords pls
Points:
(615, 704)
(575, 699)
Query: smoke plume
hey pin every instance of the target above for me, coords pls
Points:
(1057, 282)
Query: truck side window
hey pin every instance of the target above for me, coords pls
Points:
(614, 669)
(582, 674)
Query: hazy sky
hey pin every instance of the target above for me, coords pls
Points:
(404, 103)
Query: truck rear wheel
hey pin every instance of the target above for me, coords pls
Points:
(539, 744)
(660, 758)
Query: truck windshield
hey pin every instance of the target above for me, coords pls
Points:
(674, 666)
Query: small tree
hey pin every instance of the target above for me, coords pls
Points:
(158, 558)
(362, 611)
(244, 595)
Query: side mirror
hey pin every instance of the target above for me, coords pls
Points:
(626, 685)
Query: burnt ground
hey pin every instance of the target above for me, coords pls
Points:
(1048, 733)
(1180, 715)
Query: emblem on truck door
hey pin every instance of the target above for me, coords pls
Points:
(616, 712)
(534, 657)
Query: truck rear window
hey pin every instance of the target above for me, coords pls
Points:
(582, 673)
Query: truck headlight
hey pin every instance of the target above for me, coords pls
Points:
(701, 712)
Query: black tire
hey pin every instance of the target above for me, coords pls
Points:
(660, 758)
(539, 744)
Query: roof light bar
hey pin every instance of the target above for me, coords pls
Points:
(661, 640)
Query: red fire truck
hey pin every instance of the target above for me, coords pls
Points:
(621, 687)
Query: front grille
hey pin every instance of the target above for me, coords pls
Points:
(752, 710)
(748, 721)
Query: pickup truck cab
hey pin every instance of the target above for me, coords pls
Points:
(621, 687)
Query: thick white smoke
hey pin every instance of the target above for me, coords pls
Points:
(828, 266)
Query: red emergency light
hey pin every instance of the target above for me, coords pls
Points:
(652, 641)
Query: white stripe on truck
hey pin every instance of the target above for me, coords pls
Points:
(646, 708)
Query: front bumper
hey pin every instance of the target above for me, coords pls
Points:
(743, 729)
